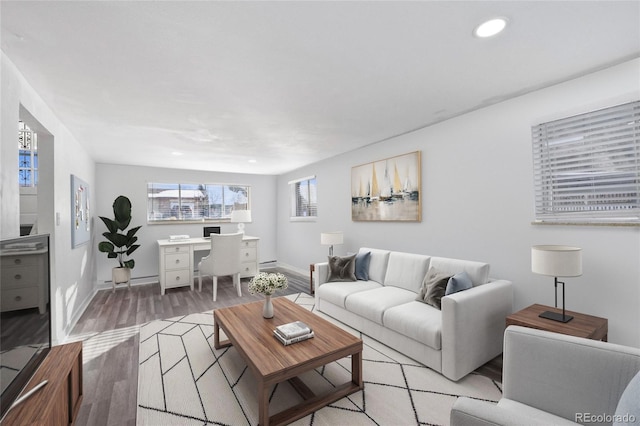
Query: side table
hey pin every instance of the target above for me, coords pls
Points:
(581, 325)
(312, 267)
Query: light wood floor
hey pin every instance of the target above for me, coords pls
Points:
(108, 328)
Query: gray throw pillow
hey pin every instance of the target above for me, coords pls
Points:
(342, 268)
(628, 407)
(433, 288)
(362, 266)
(458, 282)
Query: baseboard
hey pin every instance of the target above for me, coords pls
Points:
(292, 268)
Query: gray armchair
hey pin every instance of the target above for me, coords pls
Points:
(553, 379)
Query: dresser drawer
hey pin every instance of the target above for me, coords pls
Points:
(19, 277)
(248, 269)
(19, 260)
(19, 298)
(247, 244)
(248, 254)
(176, 249)
(176, 261)
(176, 278)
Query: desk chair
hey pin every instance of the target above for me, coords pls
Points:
(224, 260)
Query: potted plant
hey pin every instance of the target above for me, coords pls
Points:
(120, 245)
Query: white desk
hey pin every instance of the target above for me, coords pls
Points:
(177, 264)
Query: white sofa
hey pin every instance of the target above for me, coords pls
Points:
(554, 379)
(465, 334)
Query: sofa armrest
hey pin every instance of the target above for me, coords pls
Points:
(566, 375)
(473, 323)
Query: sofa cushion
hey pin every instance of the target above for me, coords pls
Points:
(372, 304)
(377, 263)
(458, 282)
(478, 271)
(417, 321)
(628, 406)
(362, 265)
(337, 292)
(433, 287)
(406, 270)
(342, 268)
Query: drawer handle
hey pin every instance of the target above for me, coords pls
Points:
(177, 261)
(246, 255)
(17, 261)
(246, 269)
(17, 276)
(18, 298)
(177, 248)
(178, 278)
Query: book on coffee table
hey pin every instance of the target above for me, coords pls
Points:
(293, 329)
(293, 339)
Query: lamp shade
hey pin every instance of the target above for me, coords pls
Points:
(331, 238)
(556, 261)
(241, 216)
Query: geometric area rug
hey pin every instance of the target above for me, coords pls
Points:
(184, 380)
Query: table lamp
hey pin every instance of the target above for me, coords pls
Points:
(330, 239)
(556, 261)
(240, 217)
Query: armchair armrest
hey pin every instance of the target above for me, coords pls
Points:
(473, 323)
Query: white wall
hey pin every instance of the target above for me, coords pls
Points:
(73, 270)
(131, 181)
(478, 203)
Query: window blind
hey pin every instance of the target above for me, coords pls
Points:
(304, 198)
(587, 167)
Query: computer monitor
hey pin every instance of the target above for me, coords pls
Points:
(208, 230)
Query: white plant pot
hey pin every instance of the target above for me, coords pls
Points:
(120, 276)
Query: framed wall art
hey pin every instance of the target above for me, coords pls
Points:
(80, 219)
(387, 190)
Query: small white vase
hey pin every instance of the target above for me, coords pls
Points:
(267, 308)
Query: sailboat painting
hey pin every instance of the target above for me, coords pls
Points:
(387, 190)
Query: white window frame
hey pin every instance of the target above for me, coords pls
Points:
(184, 203)
(587, 168)
(307, 212)
(27, 144)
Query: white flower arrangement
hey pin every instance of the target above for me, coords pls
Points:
(267, 284)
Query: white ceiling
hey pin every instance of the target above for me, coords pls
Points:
(289, 83)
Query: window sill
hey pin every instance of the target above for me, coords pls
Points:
(615, 224)
(303, 219)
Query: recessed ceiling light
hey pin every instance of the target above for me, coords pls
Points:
(253, 161)
(490, 27)
(176, 153)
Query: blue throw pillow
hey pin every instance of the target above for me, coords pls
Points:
(362, 266)
(458, 282)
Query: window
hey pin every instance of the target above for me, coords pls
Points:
(587, 167)
(169, 202)
(304, 203)
(27, 156)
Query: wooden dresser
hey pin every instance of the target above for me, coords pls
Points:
(58, 402)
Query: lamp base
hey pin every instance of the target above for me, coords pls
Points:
(555, 316)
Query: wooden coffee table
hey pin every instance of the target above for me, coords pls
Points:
(271, 362)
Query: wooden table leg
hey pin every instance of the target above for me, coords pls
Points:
(312, 268)
(263, 404)
(216, 336)
(356, 369)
